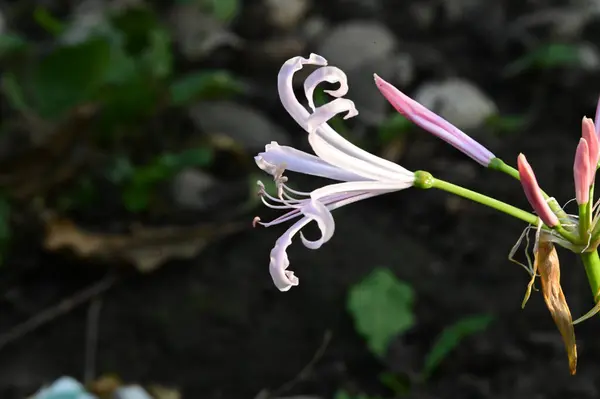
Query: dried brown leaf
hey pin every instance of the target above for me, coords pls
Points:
(548, 266)
(146, 248)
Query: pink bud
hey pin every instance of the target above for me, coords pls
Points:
(434, 123)
(534, 193)
(588, 132)
(581, 172)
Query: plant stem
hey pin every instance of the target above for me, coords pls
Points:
(501, 166)
(584, 221)
(485, 200)
(591, 262)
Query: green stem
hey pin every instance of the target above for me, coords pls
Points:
(501, 166)
(485, 200)
(584, 221)
(591, 262)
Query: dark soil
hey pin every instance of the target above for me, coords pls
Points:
(216, 327)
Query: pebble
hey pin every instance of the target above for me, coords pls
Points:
(458, 101)
(245, 125)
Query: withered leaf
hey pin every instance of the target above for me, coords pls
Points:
(146, 248)
(548, 266)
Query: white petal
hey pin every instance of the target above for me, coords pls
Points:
(284, 279)
(276, 156)
(327, 111)
(328, 74)
(318, 212)
(286, 88)
(367, 170)
(360, 186)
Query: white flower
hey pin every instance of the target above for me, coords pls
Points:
(362, 174)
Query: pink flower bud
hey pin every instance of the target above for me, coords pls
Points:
(434, 123)
(581, 172)
(534, 193)
(588, 132)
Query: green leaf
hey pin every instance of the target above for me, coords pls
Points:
(141, 182)
(5, 230)
(451, 337)
(137, 25)
(506, 123)
(13, 92)
(47, 21)
(69, 76)
(10, 43)
(395, 126)
(382, 308)
(203, 85)
(158, 57)
(548, 56)
(225, 10)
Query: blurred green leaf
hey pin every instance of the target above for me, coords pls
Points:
(69, 76)
(225, 10)
(506, 123)
(158, 57)
(399, 385)
(382, 307)
(82, 194)
(450, 338)
(5, 231)
(397, 125)
(341, 394)
(137, 25)
(47, 21)
(548, 56)
(203, 85)
(140, 185)
(10, 43)
(13, 92)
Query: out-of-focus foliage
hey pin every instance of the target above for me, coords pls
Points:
(382, 307)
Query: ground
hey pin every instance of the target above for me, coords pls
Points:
(215, 327)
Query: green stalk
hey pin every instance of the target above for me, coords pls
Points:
(584, 221)
(501, 166)
(591, 262)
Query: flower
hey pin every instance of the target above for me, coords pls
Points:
(533, 192)
(434, 123)
(582, 172)
(359, 174)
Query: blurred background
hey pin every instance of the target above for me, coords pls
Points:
(128, 188)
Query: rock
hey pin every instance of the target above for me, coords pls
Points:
(64, 387)
(2, 23)
(88, 17)
(245, 125)
(191, 189)
(197, 34)
(458, 101)
(353, 44)
(287, 14)
(131, 392)
(313, 28)
(371, 105)
(589, 58)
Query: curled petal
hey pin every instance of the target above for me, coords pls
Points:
(582, 172)
(286, 88)
(318, 212)
(327, 111)
(588, 132)
(434, 123)
(327, 74)
(534, 193)
(301, 115)
(284, 279)
(276, 157)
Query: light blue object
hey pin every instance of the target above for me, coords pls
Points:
(131, 392)
(64, 388)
